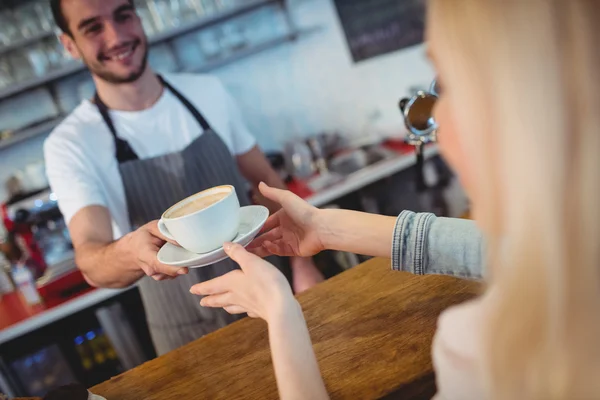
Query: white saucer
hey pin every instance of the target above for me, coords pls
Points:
(252, 219)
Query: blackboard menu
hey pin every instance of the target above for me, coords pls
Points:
(376, 27)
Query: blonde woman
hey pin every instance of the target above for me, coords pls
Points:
(518, 120)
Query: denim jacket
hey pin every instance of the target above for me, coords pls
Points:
(426, 244)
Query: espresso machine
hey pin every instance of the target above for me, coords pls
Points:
(422, 130)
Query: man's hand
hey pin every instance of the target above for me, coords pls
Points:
(110, 263)
(145, 242)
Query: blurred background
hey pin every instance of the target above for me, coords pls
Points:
(318, 83)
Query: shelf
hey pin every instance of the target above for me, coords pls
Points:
(244, 52)
(31, 132)
(40, 129)
(25, 42)
(248, 6)
(76, 66)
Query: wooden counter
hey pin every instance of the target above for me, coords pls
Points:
(371, 328)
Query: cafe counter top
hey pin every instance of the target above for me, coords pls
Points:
(371, 327)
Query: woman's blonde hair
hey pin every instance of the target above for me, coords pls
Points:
(523, 81)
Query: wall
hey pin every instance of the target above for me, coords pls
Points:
(302, 88)
(313, 85)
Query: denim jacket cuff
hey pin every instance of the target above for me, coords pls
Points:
(409, 245)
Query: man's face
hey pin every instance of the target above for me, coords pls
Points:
(108, 36)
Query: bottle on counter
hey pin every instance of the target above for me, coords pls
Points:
(7, 285)
(94, 341)
(109, 351)
(84, 352)
(25, 282)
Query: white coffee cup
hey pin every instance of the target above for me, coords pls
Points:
(203, 222)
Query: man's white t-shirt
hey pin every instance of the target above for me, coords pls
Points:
(80, 153)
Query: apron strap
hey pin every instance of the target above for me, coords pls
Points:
(123, 149)
(193, 110)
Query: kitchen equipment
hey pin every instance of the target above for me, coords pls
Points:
(318, 152)
(351, 161)
(36, 218)
(277, 161)
(418, 115)
(299, 159)
(421, 125)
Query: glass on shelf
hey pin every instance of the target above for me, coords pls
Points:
(147, 19)
(28, 19)
(195, 8)
(44, 16)
(265, 25)
(176, 11)
(56, 53)
(188, 52)
(206, 7)
(20, 65)
(38, 59)
(6, 78)
(209, 41)
(162, 59)
(162, 15)
(8, 29)
(233, 36)
(226, 4)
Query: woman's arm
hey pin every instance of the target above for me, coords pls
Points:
(418, 243)
(262, 291)
(356, 232)
(296, 368)
(425, 244)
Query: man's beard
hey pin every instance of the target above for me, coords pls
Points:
(97, 69)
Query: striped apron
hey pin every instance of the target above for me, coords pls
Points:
(152, 185)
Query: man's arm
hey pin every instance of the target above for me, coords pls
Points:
(110, 263)
(255, 167)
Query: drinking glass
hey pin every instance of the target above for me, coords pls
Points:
(6, 78)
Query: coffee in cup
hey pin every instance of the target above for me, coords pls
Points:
(196, 205)
(202, 222)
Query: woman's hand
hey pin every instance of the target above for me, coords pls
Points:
(258, 289)
(292, 231)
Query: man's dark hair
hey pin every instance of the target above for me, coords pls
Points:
(59, 17)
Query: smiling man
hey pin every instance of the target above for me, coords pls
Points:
(142, 144)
